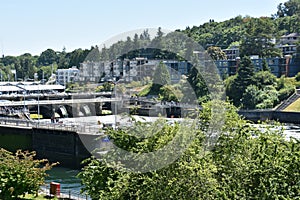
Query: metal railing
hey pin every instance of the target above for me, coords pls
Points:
(65, 193)
(78, 128)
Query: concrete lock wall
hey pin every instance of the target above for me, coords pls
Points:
(262, 115)
(13, 138)
(65, 147)
(60, 146)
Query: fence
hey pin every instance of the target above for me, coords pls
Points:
(65, 193)
(79, 128)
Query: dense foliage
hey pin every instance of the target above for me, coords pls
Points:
(254, 35)
(21, 174)
(250, 89)
(244, 163)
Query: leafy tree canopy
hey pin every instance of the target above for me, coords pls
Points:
(243, 164)
(20, 173)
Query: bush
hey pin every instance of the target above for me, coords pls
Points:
(21, 173)
(297, 77)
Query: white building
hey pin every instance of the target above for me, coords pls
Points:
(129, 70)
(64, 76)
(96, 72)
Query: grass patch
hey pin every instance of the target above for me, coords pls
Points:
(106, 112)
(145, 90)
(33, 197)
(294, 107)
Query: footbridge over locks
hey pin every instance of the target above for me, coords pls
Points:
(77, 106)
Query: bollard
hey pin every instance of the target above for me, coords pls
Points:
(55, 189)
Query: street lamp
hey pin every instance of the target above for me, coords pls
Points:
(38, 103)
(24, 92)
(116, 107)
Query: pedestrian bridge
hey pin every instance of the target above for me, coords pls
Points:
(57, 102)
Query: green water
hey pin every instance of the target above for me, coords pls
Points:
(13, 142)
(66, 177)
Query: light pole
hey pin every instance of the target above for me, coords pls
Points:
(24, 92)
(38, 103)
(116, 107)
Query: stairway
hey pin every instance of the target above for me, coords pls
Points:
(288, 102)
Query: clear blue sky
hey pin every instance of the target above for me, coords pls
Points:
(32, 26)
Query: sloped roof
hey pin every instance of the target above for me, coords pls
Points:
(291, 35)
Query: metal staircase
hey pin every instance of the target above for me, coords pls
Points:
(289, 101)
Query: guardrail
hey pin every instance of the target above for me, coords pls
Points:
(78, 128)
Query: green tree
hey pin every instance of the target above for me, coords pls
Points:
(239, 83)
(258, 36)
(265, 66)
(245, 163)
(170, 93)
(289, 8)
(77, 56)
(268, 98)
(158, 41)
(27, 66)
(216, 53)
(161, 77)
(264, 78)
(285, 88)
(189, 177)
(256, 98)
(197, 82)
(46, 71)
(47, 57)
(262, 167)
(136, 42)
(21, 174)
(63, 60)
(250, 97)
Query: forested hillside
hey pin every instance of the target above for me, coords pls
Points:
(254, 35)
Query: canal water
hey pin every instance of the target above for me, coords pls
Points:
(67, 178)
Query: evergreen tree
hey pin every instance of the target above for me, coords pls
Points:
(243, 79)
(265, 66)
(161, 77)
(197, 82)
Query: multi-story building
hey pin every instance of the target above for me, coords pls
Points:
(177, 69)
(232, 53)
(90, 71)
(287, 44)
(138, 68)
(96, 72)
(279, 66)
(64, 76)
